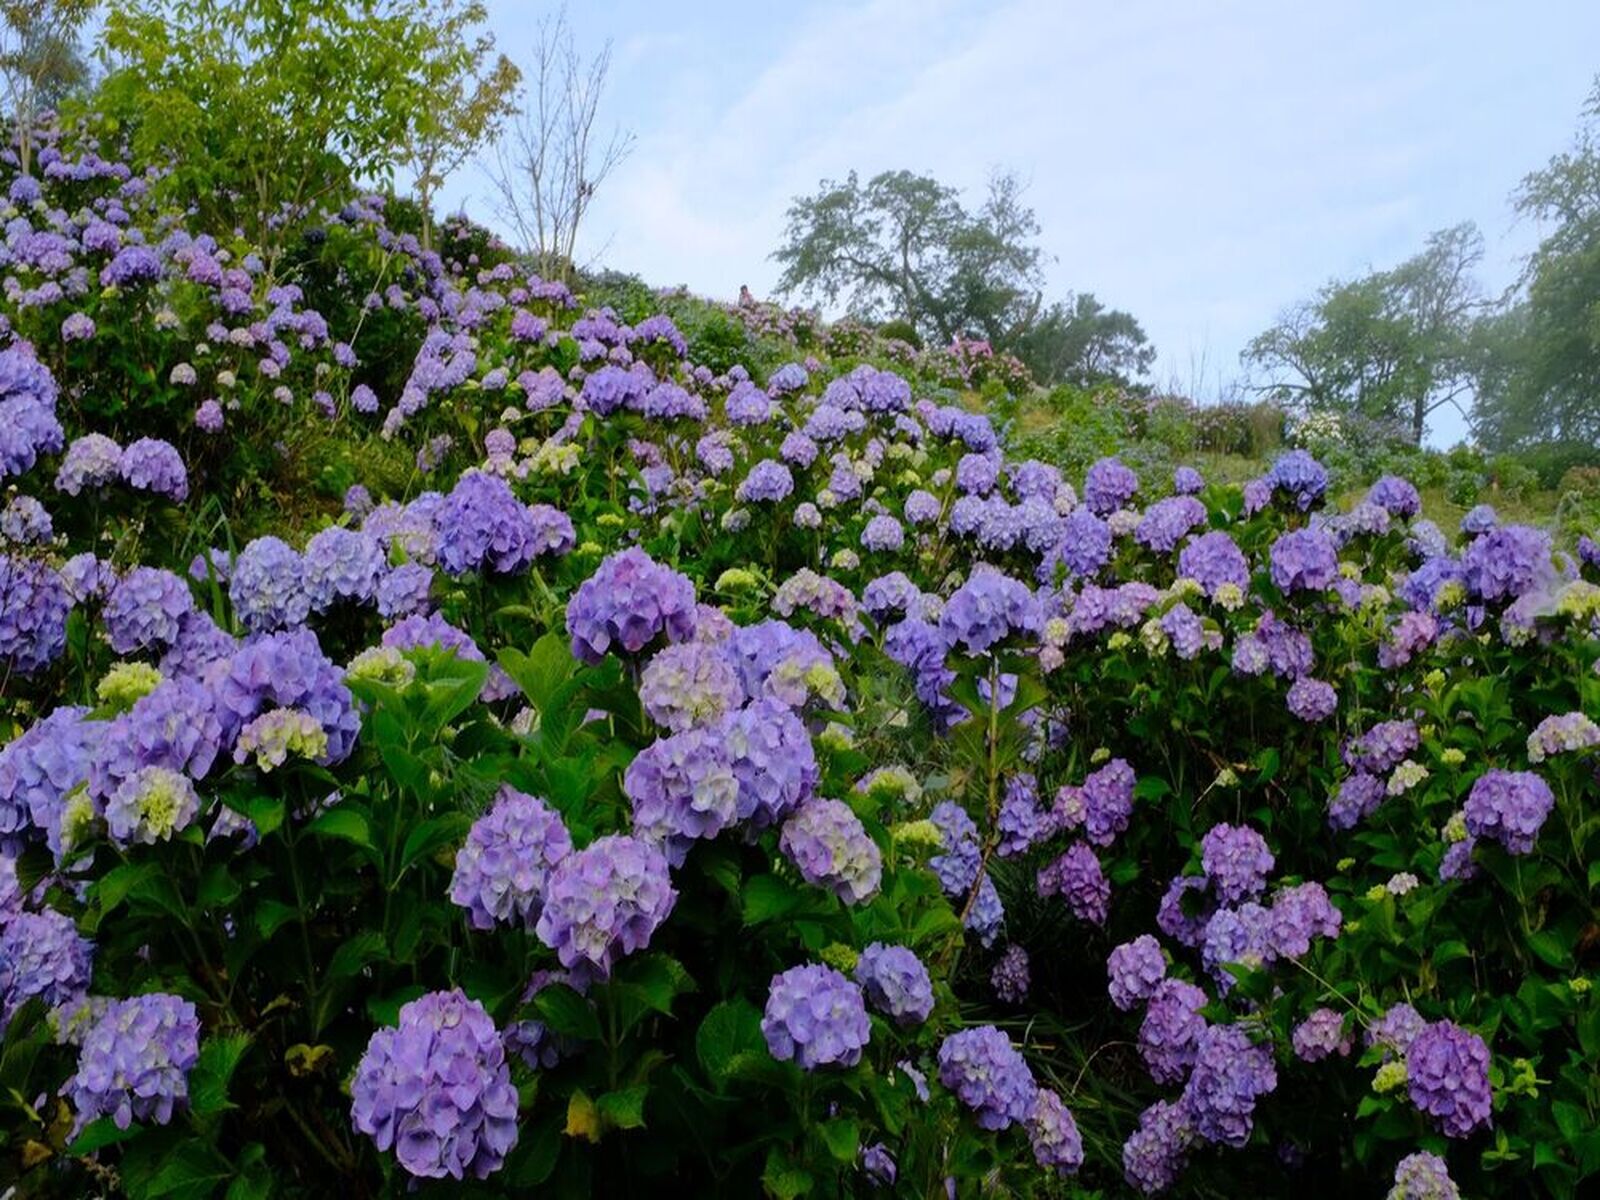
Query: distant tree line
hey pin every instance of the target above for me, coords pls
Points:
(903, 248)
(1400, 344)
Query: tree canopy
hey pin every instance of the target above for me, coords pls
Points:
(1394, 345)
(904, 247)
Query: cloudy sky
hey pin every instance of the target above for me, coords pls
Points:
(1201, 165)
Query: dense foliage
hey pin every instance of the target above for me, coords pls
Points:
(671, 767)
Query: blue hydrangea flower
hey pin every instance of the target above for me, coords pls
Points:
(628, 602)
(135, 1060)
(1447, 1077)
(42, 954)
(986, 1073)
(145, 610)
(267, 587)
(831, 848)
(152, 465)
(895, 983)
(502, 869)
(437, 1090)
(605, 901)
(815, 1016)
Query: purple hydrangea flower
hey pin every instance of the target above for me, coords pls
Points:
(1107, 796)
(1396, 1029)
(289, 670)
(1010, 977)
(1108, 486)
(33, 614)
(895, 983)
(767, 481)
(1423, 1176)
(682, 787)
(1304, 560)
(437, 1090)
(1053, 1135)
(1186, 481)
(1312, 699)
(879, 1165)
(605, 901)
(341, 564)
(1083, 548)
(267, 586)
(1396, 496)
(1447, 1077)
(91, 461)
(1510, 807)
(208, 417)
(773, 760)
(42, 954)
(883, 534)
(1171, 1030)
(151, 465)
(484, 527)
(1298, 914)
(1021, 822)
(987, 608)
(1078, 879)
(831, 848)
(1301, 478)
(1236, 861)
(816, 1017)
(404, 590)
(1155, 1154)
(1319, 1035)
(1230, 1073)
(689, 684)
(629, 601)
(1135, 969)
(957, 866)
(1505, 562)
(135, 1060)
(986, 1073)
(1166, 522)
(502, 869)
(145, 609)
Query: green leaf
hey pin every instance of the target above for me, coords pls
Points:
(1551, 949)
(217, 888)
(114, 887)
(542, 671)
(266, 812)
(433, 833)
(564, 1011)
(350, 958)
(842, 1136)
(272, 915)
(346, 823)
(783, 1179)
(730, 1029)
(208, 1082)
(190, 1171)
(451, 695)
(99, 1133)
(767, 897)
(624, 1109)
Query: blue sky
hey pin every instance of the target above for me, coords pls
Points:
(1201, 165)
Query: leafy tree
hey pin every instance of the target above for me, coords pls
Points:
(553, 157)
(463, 93)
(903, 246)
(1081, 341)
(268, 108)
(1393, 345)
(1540, 359)
(40, 60)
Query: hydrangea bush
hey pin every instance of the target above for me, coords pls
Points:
(735, 778)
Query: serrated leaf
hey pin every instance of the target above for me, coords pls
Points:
(564, 1011)
(208, 1082)
(345, 823)
(100, 1133)
(272, 915)
(354, 955)
(624, 1108)
(731, 1028)
(432, 834)
(767, 897)
(583, 1118)
(842, 1136)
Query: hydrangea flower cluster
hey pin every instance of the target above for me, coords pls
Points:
(605, 901)
(989, 1076)
(436, 1089)
(502, 870)
(626, 604)
(831, 848)
(134, 1061)
(816, 1017)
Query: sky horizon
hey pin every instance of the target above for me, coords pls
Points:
(1202, 170)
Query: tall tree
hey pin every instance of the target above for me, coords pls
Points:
(903, 246)
(40, 60)
(463, 91)
(1082, 341)
(553, 156)
(1395, 345)
(1540, 372)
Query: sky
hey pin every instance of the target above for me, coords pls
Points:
(1202, 166)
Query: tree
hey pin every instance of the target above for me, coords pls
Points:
(463, 93)
(40, 61)
(267, 109)
(551, 158)
(1540, 361)
(903, 246)
(1082, 341)
(1393, 345)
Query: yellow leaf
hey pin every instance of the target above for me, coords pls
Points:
(583, 1118)
(306, 1060)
